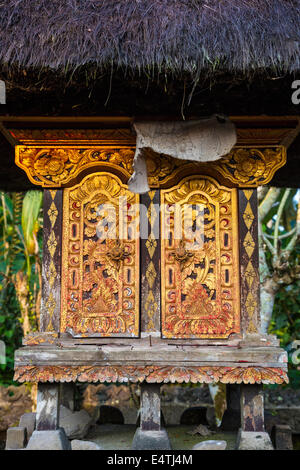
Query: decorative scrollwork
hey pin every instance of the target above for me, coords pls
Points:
(100, 281)
(182, 255)
(151, 374)
(251, 167)
(58, 166)
(200, 279)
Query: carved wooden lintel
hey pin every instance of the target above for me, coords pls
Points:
(151, 374)
(60, 165)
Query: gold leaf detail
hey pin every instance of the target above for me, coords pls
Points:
(151, 245)
(52, 213)
(53, 193)
(50, 305)
(251, 304)
(151, 274)
(51, 274)
(248, 193)
(52, 244)
(249, 244)
(250, 274)
(248, 216)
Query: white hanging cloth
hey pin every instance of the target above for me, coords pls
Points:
(203, 140)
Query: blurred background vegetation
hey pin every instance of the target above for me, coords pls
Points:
(20, 269)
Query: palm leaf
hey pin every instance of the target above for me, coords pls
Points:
(30, 212)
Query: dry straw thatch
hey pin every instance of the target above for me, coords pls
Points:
(150, 36)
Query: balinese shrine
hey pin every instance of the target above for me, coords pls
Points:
(149, 125)
(152, 288)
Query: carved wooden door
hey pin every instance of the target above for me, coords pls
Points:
(195, 260)
(100, 264)
(199, 256)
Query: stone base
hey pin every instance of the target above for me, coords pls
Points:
(76, 444)
(27, 421)
(282, 437)
(253, 441)
(16, 438)
(49, 440)
(151, 440)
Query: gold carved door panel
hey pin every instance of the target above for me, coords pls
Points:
(100, 259)
(199, 258)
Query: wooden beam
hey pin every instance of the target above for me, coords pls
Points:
(252, 408)
(150, 407)
(47, 411)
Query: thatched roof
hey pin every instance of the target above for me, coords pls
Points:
(151, 36)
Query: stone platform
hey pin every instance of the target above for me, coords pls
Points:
(120, 436)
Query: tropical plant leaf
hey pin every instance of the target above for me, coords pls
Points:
(30, 213)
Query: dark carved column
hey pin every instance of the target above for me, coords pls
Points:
(51, 269)
(47, 411)
(252, 408)
(150, 262)
(249, 259)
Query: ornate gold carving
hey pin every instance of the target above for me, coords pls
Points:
(200, 279)
(117, 254)
(151, 374)
(251, 166)
(100, 269)
(249, 244)
(52, 213)
(248, 216)
(182, 255)
(151, 306)
(58, 166)
(52, 244)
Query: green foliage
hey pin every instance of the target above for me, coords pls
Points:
(30, 212)
(19, 248)
(285, 324)
(10, 333)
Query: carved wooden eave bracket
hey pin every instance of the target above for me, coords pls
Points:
(54, 158)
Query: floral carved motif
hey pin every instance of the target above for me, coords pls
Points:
(58, 166)
(251, 166)
(151, 374)
(100, 270)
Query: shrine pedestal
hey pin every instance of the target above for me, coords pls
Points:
(151, 362)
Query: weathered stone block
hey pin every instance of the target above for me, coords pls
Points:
(27, 421)
(250, 440)
(76, 444)
(76, 424)
(151, 440)
(210, 445)
(16, 438)
(49, 440)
